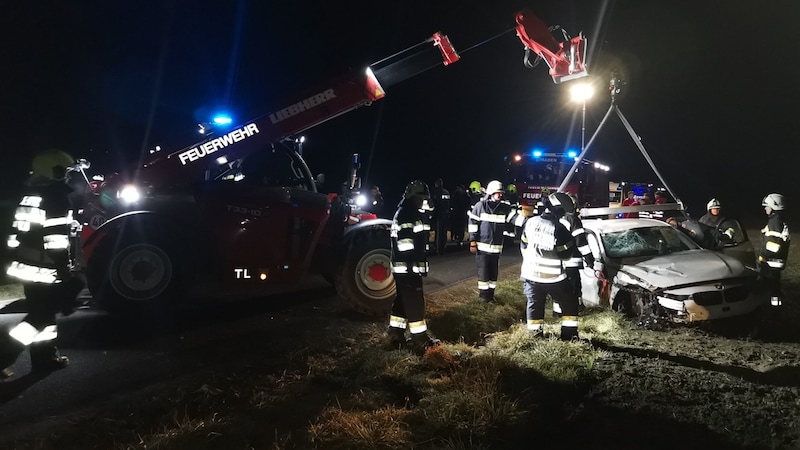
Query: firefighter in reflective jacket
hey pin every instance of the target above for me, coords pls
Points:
(546, 246)
(489, 224)
(410, 231)
(581, 253)
(775, 248)
(40, 259)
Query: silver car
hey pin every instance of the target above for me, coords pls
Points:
(655, 270)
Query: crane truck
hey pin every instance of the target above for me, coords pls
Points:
(241, 207)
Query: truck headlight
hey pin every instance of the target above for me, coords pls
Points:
(361, 200)
(129, 194)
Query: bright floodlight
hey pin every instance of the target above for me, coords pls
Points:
(581, 92)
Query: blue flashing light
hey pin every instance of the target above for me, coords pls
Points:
(572, 154)
(536, 153)
(222, 120)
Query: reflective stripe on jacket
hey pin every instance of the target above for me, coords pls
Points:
(410, 233)
(39, 242)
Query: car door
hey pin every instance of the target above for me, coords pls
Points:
(733, 241)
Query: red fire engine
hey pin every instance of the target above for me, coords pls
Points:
(538, 173)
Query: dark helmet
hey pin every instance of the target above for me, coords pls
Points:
(417, 188)
(51, 164)
(561, 201)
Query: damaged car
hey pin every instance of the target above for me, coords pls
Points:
(657, 272)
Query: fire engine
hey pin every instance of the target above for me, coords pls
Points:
(537, 173)
(241, 207)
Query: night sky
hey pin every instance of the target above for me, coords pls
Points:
(711, 87)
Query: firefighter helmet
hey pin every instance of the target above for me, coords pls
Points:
(511, 188)
(417, 188)
(493, 187)
(713, 203)
(560, 201)
(774, 201)
(51, 164)
(475, 187)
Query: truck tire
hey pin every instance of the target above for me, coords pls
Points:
(135, 275)
(365, 281)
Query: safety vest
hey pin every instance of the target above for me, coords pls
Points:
(39, 242)
(546, 245)
(409, 233)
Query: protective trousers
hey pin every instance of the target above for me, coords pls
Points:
(772, 281)
(562, 293)
(440, 233)
(408, 309)
(574, 277)
(487, 264)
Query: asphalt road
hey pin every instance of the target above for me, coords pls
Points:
(112, 356)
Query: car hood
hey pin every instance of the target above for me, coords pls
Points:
(681, 268)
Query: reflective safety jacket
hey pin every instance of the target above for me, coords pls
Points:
(546, 246)
(489, 222)
(581, 253)
(776, 237)
(39, 243)
(410, 233)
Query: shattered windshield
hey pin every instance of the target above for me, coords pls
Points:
(649, 241)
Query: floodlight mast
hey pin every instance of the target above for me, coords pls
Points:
(614, 88)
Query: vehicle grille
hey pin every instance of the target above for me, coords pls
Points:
(708, 298)
(735, 294)
(730, 295)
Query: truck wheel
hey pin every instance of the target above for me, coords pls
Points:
(135, 275)
(366, 280)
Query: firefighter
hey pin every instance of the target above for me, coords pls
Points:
(511, 194)
(475, 192)
(775, 248)
(488, 226)
(409, 233)
(441, 215)
(581, 254)
(40, 260)
(546, 246)
(715, 221)
(459, 200)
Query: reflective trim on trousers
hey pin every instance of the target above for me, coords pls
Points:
(398, 322)
(483, 285)
(417, 327)
(775, 301)
(31, 273)
(535, 324)
(24, 333)
(569, 321)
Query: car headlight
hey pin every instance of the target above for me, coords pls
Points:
(129, 194)
(629, 279)
(361, 200)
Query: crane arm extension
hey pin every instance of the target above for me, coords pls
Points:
(565, 59)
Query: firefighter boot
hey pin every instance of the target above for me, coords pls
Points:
(423, 341)
(397, 338)
(45, 358)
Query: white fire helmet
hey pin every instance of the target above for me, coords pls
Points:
(774, 201)
(494, 186)
(713, 203)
